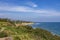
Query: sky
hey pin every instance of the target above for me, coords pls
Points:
(31, 10)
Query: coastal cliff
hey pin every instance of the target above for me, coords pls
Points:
(23, 31)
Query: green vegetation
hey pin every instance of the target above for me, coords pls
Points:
(24, 32)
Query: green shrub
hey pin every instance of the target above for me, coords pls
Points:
(17, 38)
(3, 34)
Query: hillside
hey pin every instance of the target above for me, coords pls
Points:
(8, 28)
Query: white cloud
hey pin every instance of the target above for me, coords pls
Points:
(35, 5)
(32, 4)
(30, 10)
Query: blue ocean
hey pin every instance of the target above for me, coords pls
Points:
(53, 27)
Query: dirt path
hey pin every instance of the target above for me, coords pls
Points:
(6, 38)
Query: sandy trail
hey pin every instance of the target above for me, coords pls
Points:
(6, 38)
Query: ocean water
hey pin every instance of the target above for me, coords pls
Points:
(53, 27)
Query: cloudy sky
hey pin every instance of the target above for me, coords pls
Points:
(31, 10)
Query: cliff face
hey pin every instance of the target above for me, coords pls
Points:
(22, 24)
(25, 32)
